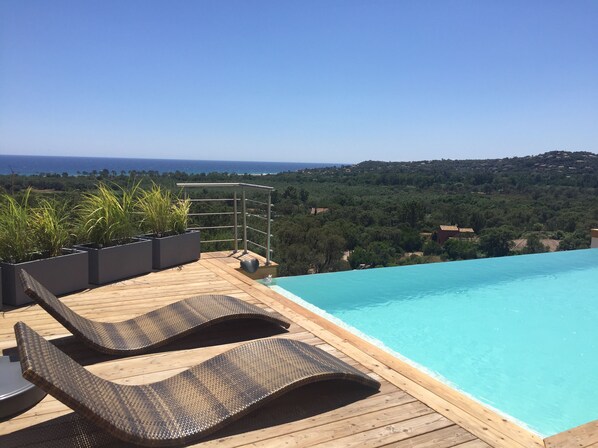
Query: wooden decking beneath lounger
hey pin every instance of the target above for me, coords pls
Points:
(411, 410)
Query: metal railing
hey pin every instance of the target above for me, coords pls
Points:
(216, 224)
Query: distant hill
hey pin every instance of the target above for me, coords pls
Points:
(553, 161)
(551, 168)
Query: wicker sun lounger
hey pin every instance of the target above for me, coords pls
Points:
(191, 404)
(148, 331)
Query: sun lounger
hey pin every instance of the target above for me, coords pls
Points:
(148, 331)
(191, 404)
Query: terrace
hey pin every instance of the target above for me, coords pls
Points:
(315, 416)
(411, 409)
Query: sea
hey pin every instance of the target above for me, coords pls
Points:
(28, 165)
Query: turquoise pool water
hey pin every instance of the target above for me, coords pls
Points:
(517, 333)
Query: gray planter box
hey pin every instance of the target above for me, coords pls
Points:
(113, 263)
(61, 275)
(174, 250)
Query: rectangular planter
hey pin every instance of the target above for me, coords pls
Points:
(61, 275)
(174, 250)
(113, 263)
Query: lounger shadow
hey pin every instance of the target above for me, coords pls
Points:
(151, 330)
(190, 405)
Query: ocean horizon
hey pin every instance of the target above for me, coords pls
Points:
(31, 165)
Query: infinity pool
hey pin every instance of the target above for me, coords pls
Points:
(517, 333)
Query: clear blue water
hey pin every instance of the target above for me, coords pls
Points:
(517, 333)
(76, 165)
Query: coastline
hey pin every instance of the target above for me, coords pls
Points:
(73, 166)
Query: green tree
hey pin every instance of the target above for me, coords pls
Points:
(377, 254)
(457, 249)
(496, 242)
(358, 257)
(303, 195)
(411, 241)
(432, 248)
(576, 240)
(328, 249)
(477, 221)
(412, 212)
(534, 245)
(290, 193)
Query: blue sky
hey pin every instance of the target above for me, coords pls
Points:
(311, 81)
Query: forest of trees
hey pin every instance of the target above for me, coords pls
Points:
(379, 213)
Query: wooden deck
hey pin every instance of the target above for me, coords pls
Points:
(411, 409)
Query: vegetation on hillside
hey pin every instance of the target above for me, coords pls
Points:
(380, 213)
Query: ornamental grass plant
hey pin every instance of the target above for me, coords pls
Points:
(180, 215)
(162, 213)
(30, 233)
(107, 218)
(51, 227)
(17, 243)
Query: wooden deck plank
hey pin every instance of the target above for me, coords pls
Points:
(451, 436)
(581, 436)
(392, 433)
(356, 410)
(474, 444)
(346, 428)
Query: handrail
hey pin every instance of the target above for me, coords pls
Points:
(213, 200)
(211, 213)
(222, 185)
(244, 213)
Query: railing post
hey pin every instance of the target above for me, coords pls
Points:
(268, 228)
(235, 223)
(244, 223)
